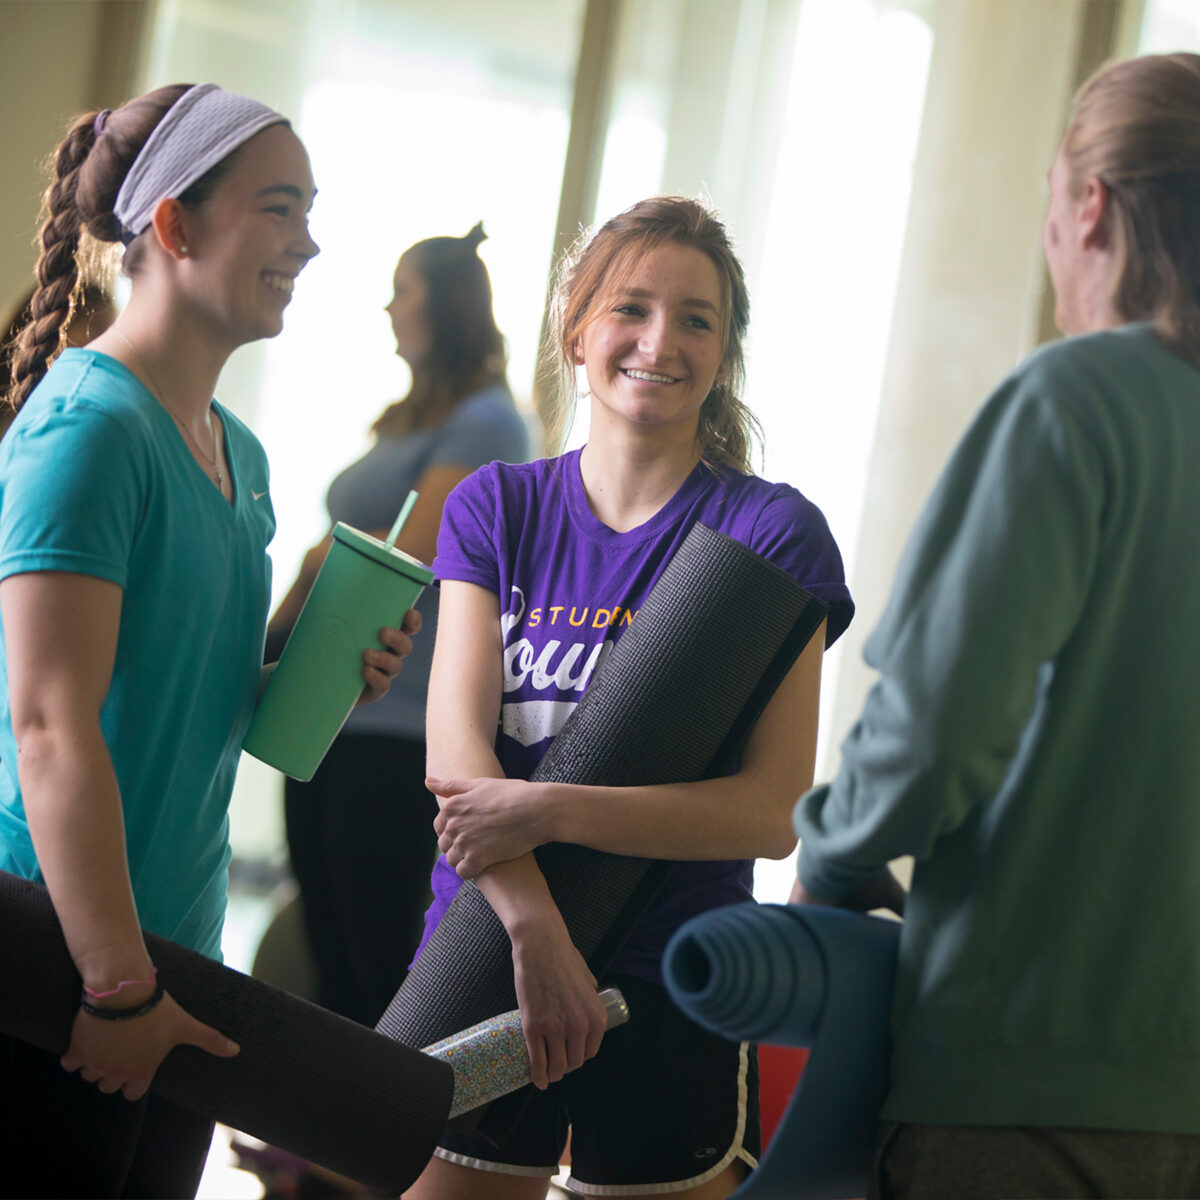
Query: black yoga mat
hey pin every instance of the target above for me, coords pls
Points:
(673, 703)
(306, 1080)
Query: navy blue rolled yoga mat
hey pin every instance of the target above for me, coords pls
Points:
(800, 975)
(306, 1080)
(673, 702)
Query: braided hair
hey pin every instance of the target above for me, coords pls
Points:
(87, 171)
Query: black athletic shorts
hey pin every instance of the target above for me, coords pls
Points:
(664, 1104)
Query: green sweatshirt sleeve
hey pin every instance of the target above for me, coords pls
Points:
(988, 591)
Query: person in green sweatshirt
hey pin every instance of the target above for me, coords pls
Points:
(1032, 737)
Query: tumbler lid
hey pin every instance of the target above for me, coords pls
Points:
(372, 547)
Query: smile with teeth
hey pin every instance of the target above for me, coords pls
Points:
(281, 283)
(647, 376)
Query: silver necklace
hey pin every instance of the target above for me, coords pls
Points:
(211, 459)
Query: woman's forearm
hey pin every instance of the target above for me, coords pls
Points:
(516, 890)
(73, 807)
(461, 756)
(520, 896)
(745, 815)
(731, 817)
(561, 1014)
(285, 616)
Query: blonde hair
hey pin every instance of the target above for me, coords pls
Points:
(596, 267)
(1136, 128)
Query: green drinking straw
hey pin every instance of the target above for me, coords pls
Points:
(405, 509)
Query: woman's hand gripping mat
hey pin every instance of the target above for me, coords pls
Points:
(800, 975)
(306, 1080)
(664, 707)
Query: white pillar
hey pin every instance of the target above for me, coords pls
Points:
(970, 279)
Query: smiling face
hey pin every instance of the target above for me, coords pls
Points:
(247, 243)
(654, 348)
(408, 311)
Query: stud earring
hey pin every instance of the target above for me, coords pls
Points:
(183, 250)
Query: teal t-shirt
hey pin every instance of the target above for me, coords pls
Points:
(96, 479)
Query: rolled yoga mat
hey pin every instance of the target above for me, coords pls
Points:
(656, 712)
(306, 1080)
(800, 975)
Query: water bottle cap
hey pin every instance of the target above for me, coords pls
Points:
(616, 1011)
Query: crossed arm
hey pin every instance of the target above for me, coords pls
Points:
(488, 824)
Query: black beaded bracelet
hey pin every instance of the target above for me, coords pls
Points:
(121, 1014)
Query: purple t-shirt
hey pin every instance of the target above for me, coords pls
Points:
(568, 588)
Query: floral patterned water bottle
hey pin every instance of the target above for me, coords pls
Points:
(490, 1059)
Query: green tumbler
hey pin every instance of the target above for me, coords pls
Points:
(363, 585)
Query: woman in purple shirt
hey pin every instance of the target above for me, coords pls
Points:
(543, 566)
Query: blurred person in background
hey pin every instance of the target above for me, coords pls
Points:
(361, 830)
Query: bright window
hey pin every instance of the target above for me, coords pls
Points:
(1170, 25)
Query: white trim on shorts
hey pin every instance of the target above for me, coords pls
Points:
(482, 1164)
(736, 1151)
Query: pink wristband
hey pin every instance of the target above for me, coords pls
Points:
(123, 984)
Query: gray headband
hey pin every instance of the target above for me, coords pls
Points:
(202, 127)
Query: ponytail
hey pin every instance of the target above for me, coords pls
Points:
(1136, 127)
(57, 267)
(88, 169)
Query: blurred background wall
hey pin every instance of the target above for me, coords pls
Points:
(881, 164)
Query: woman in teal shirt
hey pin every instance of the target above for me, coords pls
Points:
(134, 519)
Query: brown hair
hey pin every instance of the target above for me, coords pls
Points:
(88, 169)
(466, 350)
(596, 267)
(91, 314)
(1136, 128)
